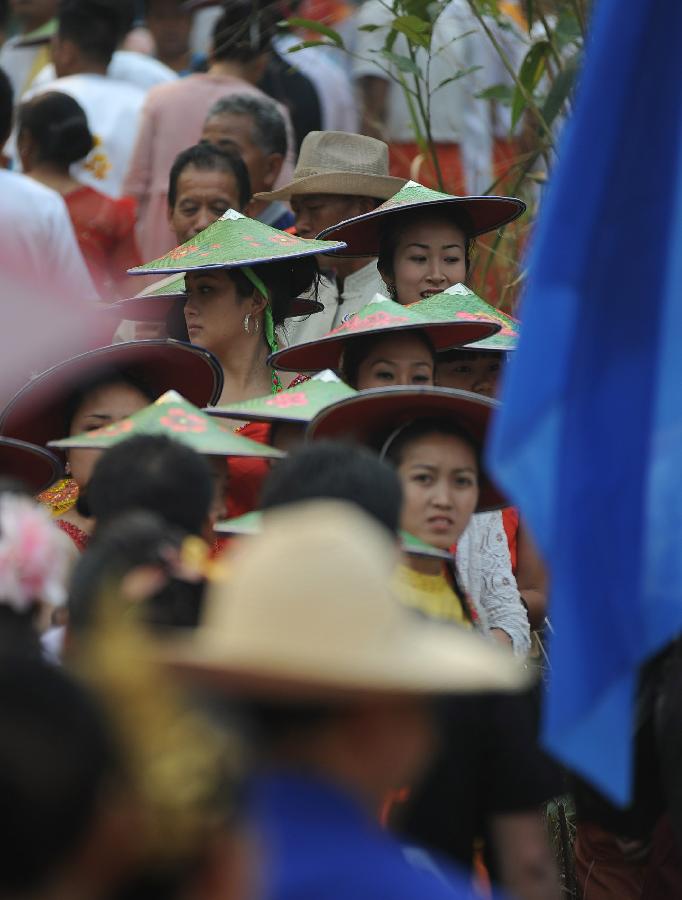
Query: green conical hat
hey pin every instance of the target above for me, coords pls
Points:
(378, 317)
(234, 241)
(362, 233)
(460, 302)
(173, 416)
(251, 524)
(41, 35)
(300, 403)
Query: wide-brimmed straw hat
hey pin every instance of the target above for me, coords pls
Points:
(309, 612)
(372, 417)
(381, 316)
(251, 523)
(174, 417)
(158, 300)
(38, 412)
(35, 466)
(336, 162)
(459, 301)
(362, 233)
(235, 241)
(300, 403)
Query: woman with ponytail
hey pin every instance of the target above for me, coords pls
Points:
(53, 134)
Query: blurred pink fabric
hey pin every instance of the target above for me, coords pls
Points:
(172, 120)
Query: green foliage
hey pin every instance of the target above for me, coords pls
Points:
(531, 71)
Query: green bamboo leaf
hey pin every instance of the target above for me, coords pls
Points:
(402, 63)
(461, 73)
(530, 73)
(503, 93)
(369, 28)
(561, 89)
(305, 44)
(415, 30)
(530, 13)
(317, 28)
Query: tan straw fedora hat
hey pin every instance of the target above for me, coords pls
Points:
(308, 611)
(336, 162)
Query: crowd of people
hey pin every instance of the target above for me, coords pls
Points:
(267, 627)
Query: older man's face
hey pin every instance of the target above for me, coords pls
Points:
(315, 212)
(230, 131)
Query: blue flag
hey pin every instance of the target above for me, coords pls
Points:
(589, 439)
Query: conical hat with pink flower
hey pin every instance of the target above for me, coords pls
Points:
(362, 233)
(300, 403)
(174, 417)
(234, 241)
(460, 302)
(379, 317)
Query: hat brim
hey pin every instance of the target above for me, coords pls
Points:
(362, 233)
(37, 413)
(425, 659)
(325, 352)
(352, 184)
(35, 466)
(371, 416)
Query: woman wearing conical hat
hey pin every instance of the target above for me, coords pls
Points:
(240, 278)
(94, 389)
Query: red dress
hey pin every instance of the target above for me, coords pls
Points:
(105, 230)
(77, 535)
(247, 474)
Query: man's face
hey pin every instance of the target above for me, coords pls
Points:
(170, 28)
(315, 212)
(202, 197)
(235, 132)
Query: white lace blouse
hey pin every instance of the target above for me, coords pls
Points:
(484, 565)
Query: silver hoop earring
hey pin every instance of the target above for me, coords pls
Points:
(256, 327)
(247, 323)
(67, 468)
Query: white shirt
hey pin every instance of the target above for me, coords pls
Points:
(113, 110)
(484, 565)
(358, 290)
(22, 64)
(333, 86)
(38, 246)
(457, 116)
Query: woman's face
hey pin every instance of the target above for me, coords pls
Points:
(429, 257)
(476, 372)
(101, 406)
(214, 311)
(396, 359)
(439, 477)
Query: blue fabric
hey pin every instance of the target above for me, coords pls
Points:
(589, 440)
(318, 844)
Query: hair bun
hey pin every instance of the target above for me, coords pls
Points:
(69, 140)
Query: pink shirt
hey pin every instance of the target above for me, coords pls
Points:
(172, 120)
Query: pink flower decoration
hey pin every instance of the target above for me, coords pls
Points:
(375, 320)
(283, 401)
(113, 430)
(34, 556)
(179, 420)
(180, 252)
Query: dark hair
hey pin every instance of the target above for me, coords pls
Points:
(136, 538)
(103, 378)
(207, 158)
(269, 128)
(464, 353)
(419, 429)
(58, 125)
(56, 757)
(244, 30)
(337, 471)
(357, 349)
(6, 106)
(154, 473)
(96, 27)
(394, 226)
